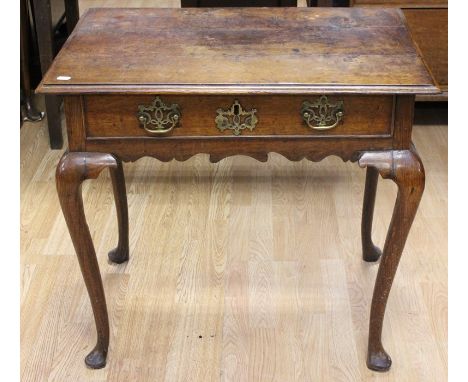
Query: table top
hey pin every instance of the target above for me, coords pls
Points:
(239, 51)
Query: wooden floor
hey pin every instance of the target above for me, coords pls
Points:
(239, 271)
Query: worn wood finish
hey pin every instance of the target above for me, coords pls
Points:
(293, 148)
(428, 24)
(238, 3)
(76, 129)
(401, 3)
(120, 254)
(370, 252)
(265, 52)
(406, 170)
(115, 116)
(72, 170)
(403, 122)
(376, 129)
(429, 29)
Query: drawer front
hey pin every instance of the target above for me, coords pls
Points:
(208, 116)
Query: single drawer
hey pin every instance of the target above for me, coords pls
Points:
(207, 116)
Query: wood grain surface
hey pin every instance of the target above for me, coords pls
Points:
(115, 116)
(238, 3)
(401, 3)
(428, 24)
(242, 50)
(429, 29)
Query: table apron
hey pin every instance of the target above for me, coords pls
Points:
(384, 124)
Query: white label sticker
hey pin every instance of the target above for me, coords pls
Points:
(63, 78)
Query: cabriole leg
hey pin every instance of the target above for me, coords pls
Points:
(120, 253)
(370, 252)
(405, 168)
(72, 170)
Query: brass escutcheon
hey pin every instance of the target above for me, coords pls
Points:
(321, 114)
(236, 119)
(158, 118)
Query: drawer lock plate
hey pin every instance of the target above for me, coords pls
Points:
(236, 119)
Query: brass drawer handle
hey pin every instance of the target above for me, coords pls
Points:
(159, 118)
(236, 119)
(321, 114)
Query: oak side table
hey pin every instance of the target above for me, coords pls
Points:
(301, 82)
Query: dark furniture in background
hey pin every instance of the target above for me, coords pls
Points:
(27, 69)
(48, 46)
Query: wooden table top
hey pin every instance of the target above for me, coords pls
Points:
(239, 50)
